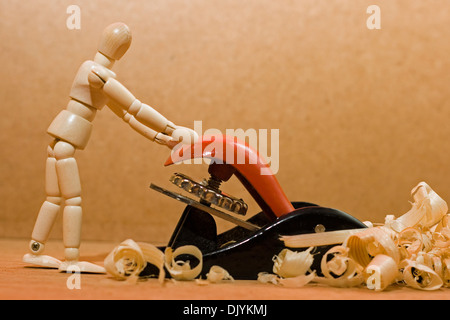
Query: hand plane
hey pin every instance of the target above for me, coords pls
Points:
(248, 248)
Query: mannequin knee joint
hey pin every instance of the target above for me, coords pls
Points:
(63, 150)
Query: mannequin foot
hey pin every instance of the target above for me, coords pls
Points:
(81, 266)
(72, 264)
(36, 257)
(41, 260)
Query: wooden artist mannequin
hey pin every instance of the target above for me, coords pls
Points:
(93, 87)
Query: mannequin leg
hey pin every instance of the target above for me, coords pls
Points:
(47, 215)
(70, 186)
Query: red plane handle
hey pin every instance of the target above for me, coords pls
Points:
(234, 156)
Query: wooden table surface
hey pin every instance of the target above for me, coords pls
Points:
(19, 281)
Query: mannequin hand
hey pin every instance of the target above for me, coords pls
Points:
(184, 135)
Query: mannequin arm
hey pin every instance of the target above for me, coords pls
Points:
(140, 116)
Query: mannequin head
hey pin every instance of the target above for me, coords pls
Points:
(115, 41)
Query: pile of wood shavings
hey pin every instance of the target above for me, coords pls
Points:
(413, 249)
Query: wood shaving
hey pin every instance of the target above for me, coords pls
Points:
(318, 239)
(294, 282)
(218, 274)
(289, 264)
(290, 268)
(366, 244)
(339, 270)
(181, 270)
(265, 277)
(427, 209)
(129, 258)
(420, 276)
(340, 265)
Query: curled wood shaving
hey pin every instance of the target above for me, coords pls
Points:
(443, 224)
(420, 276)
(298, 281)
(368, 243)
(427, 209)
(181, 270)
(218, 274)
(294, 282)
(442, 238)
(129, 258)
(446, 272)
(290, 268)
(288, 264)
(339, 270)
(340, 265)
(265, 277)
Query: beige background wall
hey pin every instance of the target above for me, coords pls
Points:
(363, 114)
